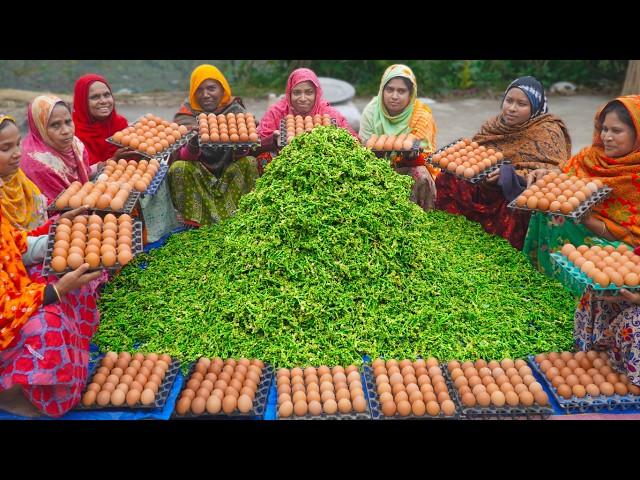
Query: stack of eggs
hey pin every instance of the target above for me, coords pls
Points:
(496, 384)
(412, 388)
(583, 373)
(607, 266)
(296, 125)
(150, 135)
(466, 158)
(319, 390)
(558, 193)
(126, 378)
(138, 175)
(234, 128)
(390, 143)
(216, 385)
(100, 195)
(92, 240)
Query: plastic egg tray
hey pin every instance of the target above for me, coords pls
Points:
(475, 179)
(136, 248)
(366, 415)
(588, 403)
(568, 267)
(376, 408)
(577, 213)
(161, 396)
(414, 152)
(162, 155)
(259, 401)
(491, 412)
(282, 142)
(214, 147)
(128, 207)
(155, 183)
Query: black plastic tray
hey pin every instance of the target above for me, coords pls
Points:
(374, 402)
(588, 282)
(490, 412)
(128, 207)
(161, 396)
(475, 179)
(577, 214)
(282, 142)
(366, 415)
(155, 182)
(136, 249)
(259, 401)
(588, 403)
(162, 154)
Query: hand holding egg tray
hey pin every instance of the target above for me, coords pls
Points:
(291, 126)
(210, 408)
(484, 160)
(166, 137)
(238, 134)
(409, 398)
(93, 397)
(96, 262)
(597, 272)
(525, 399)
(322, 395)
(574, 199)
(619, 396)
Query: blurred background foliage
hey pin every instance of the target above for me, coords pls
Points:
(437, 78)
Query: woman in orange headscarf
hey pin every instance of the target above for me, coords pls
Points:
(614, 158)
(206, 186)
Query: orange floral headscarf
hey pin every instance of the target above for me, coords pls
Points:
(621, 210)
(208, 72)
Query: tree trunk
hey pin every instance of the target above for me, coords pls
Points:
(632, 80)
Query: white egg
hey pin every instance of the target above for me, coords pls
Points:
(592, 186)
(103, 177)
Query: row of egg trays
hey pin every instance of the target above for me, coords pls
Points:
(282, 141)
(259, 402)
(128, 207)
(155, 183)
(584, 279)
(163, 154)
(47, 270)
(587, 403)
(475, 179)
(576, 214)
(161, 397)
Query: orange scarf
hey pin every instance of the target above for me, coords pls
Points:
(621, 210)
(19, 296)
(422, 124)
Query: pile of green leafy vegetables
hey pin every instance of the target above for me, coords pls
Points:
(327, 260)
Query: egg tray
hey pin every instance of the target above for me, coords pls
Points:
(499, 413)
(587, 404)
(366, 415)
(282, 141)
(161, 396)
(259, 401)
(128, 207)
(213, 147)
(155, 182)
(577, 213)
(564, 263)
(376, 408)
(163, 154)
(406, 154)
(136, 242)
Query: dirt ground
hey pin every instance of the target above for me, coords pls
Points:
(455, 119)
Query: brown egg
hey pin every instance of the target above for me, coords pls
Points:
(148, 396)
(89, 398)
(103, 398)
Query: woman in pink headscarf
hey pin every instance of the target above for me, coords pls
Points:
(52, 156)
(303, 96)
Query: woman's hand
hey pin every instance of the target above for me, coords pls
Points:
(76, 279)
(493, 177)
(625, 296)
(71, 214)
(535, 175)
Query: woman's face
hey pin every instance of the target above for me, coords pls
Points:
(395, 96)
(9, 150)
(61, 128)
(209, 94)
(516, 108)
(618, 137)
(100, 101)
(303, 97)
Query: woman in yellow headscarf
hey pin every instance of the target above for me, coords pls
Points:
(206, 187)
(395, 111)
